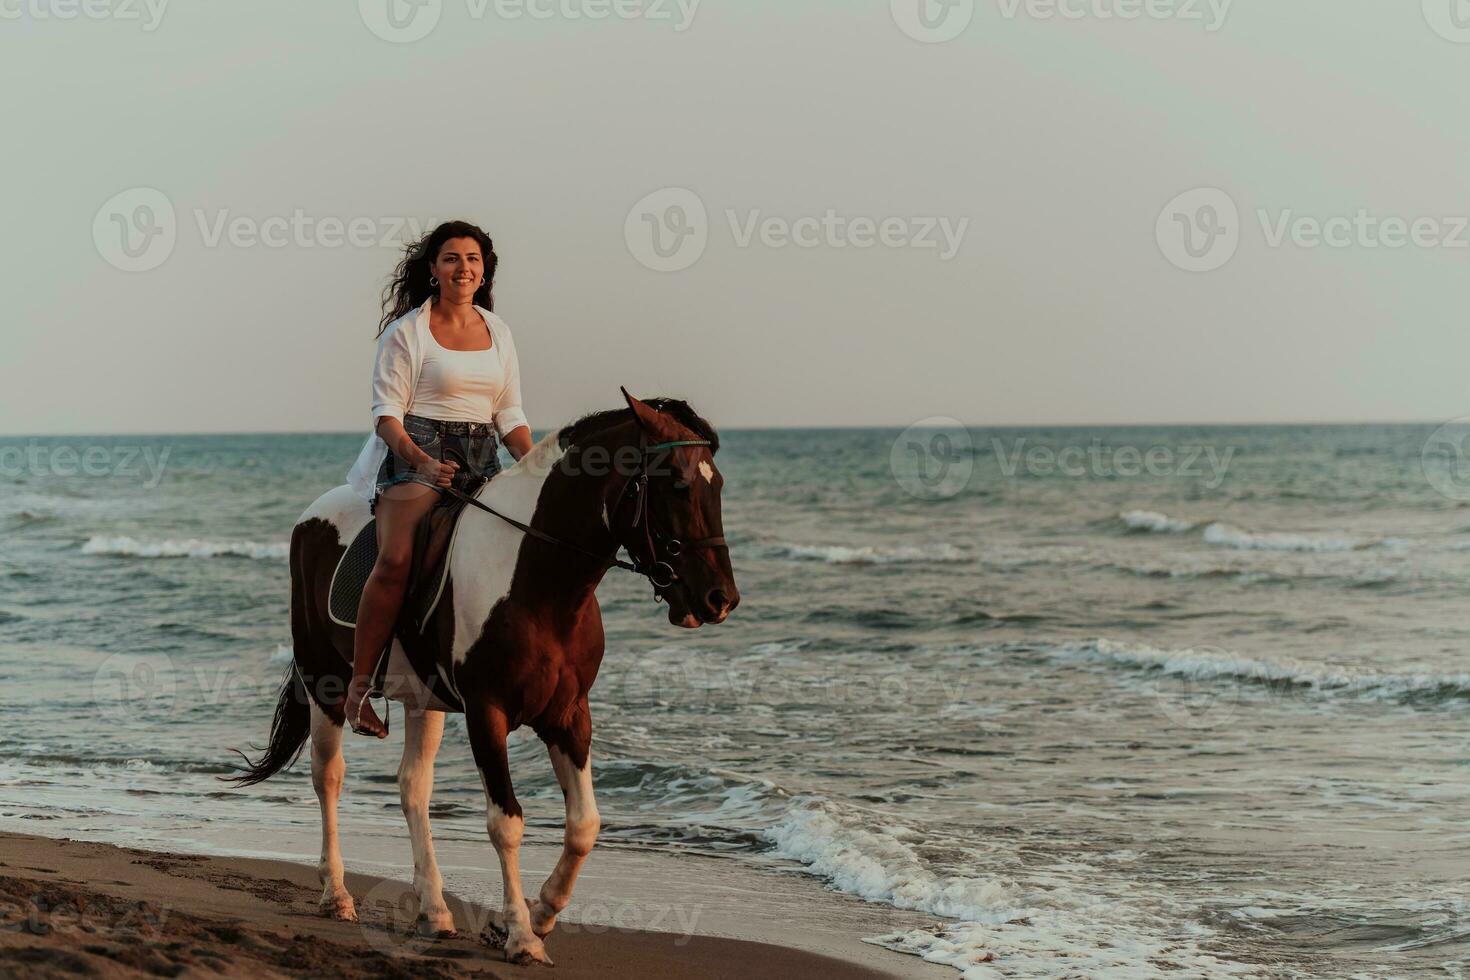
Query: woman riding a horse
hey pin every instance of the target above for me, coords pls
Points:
(515, 637)
(446, 381)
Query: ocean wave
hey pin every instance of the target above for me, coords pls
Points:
(1152, 521)
(1003, 928)
(122, 546)
(1230, 536)
(836, 554)
(881, 868)
(1341, 681)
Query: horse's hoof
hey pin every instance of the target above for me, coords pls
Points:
(430, 929)
(529, 956)
(341, 911)
(494, 936)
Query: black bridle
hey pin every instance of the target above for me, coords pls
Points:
(658, 570)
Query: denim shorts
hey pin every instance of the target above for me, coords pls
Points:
(470, 444)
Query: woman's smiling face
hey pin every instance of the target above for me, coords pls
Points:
(460, 268)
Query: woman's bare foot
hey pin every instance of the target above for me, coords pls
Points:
(361, 717)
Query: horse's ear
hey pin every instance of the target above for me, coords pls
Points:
(648, 418)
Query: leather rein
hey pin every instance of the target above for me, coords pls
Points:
(659, 572)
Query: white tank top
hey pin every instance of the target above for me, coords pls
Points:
(457, 385)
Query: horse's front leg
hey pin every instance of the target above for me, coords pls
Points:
(422, 735)
(488, 728)
(572, 760)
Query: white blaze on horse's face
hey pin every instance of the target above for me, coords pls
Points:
(707, 471)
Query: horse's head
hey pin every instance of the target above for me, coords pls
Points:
(671, 525)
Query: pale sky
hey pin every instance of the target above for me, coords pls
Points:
(1049, 145)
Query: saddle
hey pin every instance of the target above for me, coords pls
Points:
(432, 544)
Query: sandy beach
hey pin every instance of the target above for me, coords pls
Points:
(73, 908)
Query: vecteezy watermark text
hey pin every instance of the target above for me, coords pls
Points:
(669, 229)
(40, 459)
(937, 21)
(1099, 459)
(1210, 13)
(1201, 230)
(137, 229)
(148, 13)
(934, 459)
(407, 21)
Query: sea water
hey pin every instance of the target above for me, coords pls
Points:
(1097, 702)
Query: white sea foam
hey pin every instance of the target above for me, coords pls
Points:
(880, 867)
(284, 654)
(1229, 536)
(1003, 929)
(1148, 520)
(186, 548)
(1209, 663)
(836, 554)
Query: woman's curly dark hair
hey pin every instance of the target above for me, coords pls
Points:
(410, 285)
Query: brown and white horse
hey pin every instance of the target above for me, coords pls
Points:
(516, 638)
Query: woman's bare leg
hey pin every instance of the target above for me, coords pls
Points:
(399, 510)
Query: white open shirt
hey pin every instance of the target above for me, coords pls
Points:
(400, 358)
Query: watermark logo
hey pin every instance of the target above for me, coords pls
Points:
(136, 229)
(1446, 459)
(407, 21)
(1204, 702)
(1199, 231)
(1450, 19)
(128, 685)
(668, 230)
(933, 459)
(401, 21)
(932, 21)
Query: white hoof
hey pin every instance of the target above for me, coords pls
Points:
(342, 909)
(435, 926)
(528, 953)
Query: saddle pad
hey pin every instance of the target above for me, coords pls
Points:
(356, 565)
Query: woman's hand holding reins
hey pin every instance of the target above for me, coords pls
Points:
(441, 472)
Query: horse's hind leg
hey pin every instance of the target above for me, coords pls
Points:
(327, 769)
(422, 734)
(571, 758)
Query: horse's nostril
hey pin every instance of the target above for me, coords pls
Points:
(717, 601)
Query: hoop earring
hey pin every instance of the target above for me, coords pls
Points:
(433, 281)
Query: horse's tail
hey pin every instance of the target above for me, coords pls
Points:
(289, 730)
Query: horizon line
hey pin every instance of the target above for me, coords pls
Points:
(1319, 423)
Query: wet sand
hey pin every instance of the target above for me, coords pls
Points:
(73, 908)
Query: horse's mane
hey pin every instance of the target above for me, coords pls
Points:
(677, 409)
